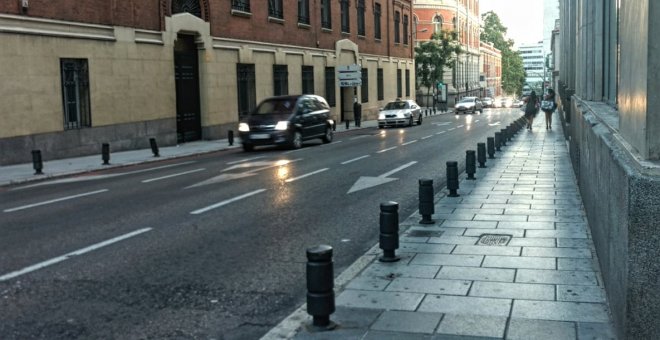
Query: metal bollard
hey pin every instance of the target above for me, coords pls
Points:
(481, 154)
(154, 147)
(346, 124)
(470, 164)
(37, 163)
(105, 153)
(503, 137)
(426, 205)
(320, 284)
(433, 110)
(334, 125)
(230, 137)
(452, 179)
(389, 231)
(491, 147)
(498, 141)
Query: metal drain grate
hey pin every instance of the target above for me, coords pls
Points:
(494, 239)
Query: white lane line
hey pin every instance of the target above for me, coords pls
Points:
(358, 137)
(451, 129)
(476, 121)
(55, 200)
(460, 126)
(354, 159)
(397, 169)
(71, 254)
(441, 132)
(412, 141)
(289, 180)
(172, 175)
(388, 149)
(427, 137)
(218, 205)
(245, 160)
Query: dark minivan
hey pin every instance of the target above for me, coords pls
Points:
(286, 120)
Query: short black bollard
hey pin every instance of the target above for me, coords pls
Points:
(105, 153)
(426, 206)
(470, 164)
(334, 125)
(37, 163)
(434, 110)
(320, 284)
(230, 137)
(389, 231)
(452, 179)
(154, 147)
(498, 141)
(491, 147)
(503, 137)
(481, 154)
(346, 124)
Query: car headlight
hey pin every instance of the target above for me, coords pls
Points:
(282, 125)
(381, 116)
(243, 127)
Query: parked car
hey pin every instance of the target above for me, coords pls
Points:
(517, 103)
(487, 101)
(400, 112)
(286, 120)
(469, 104)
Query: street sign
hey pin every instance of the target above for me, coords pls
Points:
(349, 75)
(350, 83)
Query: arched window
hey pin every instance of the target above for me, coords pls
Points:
(187, 6)
(437, 24)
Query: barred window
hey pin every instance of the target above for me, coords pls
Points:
(381, 86)
(360, 17)
(303, 12)
(365, 85)
(407, 83)
(405, 29)
(280, 80)
(399, 91)
(275, 9)
(308, 79)
(397, 21)
(241, 5)
(345, 18)
(247, 99)
(326, 21)
(330, 85)
(75, 93)
(377, 33)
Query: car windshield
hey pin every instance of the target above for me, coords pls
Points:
(467, 100)
(396, 106)
(276, 106)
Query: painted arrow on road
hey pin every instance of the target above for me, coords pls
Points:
(365, 182)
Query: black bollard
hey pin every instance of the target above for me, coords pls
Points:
(320, 284)
(491, 147)
(346, 124)
(433, 110)
(498, 141)
(481, 154)
(503, 137)
(470, 164)
(389, 231)
(154, 147)
(230, 137)
(426, 206)
(37, 163)
(452, 179)
(105, 153)
(334, 125)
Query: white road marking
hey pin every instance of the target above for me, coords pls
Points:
(245, 160)
(289, 180)
(354, 159)
(427, 137)
(220, 204)
(451, 129)
(366, 182)
(441, 132)
(358, 137)
(388, 149)
(71, 254)
(172, 175)
(476, 121)
(55, 200)
(397, 169)
(460, 126)
(412, 141)
(494, 124)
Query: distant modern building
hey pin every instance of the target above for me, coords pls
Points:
(533, 59)
(491, 70)
(121, 72)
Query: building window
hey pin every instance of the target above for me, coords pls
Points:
(397, 21)
(405, 29)
(399, 92)
(360, 17)
(330, 85)
(241, 5)
(437, 24)
(280, 80)
(187, 6)
(75, 93)
(377, 20)
(303, 12)
(365, 85)
(345, 22)
(275, 9)
(326, 21)
(247, 99)
(308, 79)
(381, 87)
(407, 83)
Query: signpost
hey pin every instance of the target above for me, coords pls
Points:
(349, 75)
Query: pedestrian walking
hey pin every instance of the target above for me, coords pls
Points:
(548, 105)
(531, 108)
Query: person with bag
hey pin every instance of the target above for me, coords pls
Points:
(531, 108)
(548, 105)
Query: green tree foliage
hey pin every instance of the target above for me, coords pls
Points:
(513, 73)
(434, 55)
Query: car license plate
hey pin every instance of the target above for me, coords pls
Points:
(259, 136)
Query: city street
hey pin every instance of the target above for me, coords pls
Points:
(209, 246)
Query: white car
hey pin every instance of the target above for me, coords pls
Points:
(469, 104)
(400, 112)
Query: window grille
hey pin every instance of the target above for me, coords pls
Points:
(75, 93)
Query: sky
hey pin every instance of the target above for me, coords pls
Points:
(522, 18)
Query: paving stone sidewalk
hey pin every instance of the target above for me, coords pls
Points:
(511, 258)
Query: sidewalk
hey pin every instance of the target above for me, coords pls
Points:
(511, 258)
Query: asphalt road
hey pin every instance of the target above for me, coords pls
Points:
(211, 246)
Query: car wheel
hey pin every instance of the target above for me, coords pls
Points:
(248, 147)
(296, 141)
(410, 123)
(419, 121)
(327, 136)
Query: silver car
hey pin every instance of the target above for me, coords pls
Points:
(400, 112)
(469, 104)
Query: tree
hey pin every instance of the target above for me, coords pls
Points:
(513, 73)
(434, 55)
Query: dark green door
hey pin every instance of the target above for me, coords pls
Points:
(186, 75)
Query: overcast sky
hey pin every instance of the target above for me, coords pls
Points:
(522, 18)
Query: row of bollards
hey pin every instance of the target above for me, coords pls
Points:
(320, 281)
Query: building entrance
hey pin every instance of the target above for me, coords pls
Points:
(186, 75)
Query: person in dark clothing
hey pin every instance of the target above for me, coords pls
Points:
(548, 106)
(531, 108)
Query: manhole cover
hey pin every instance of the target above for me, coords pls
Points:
(425, 233)
(494, 239)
